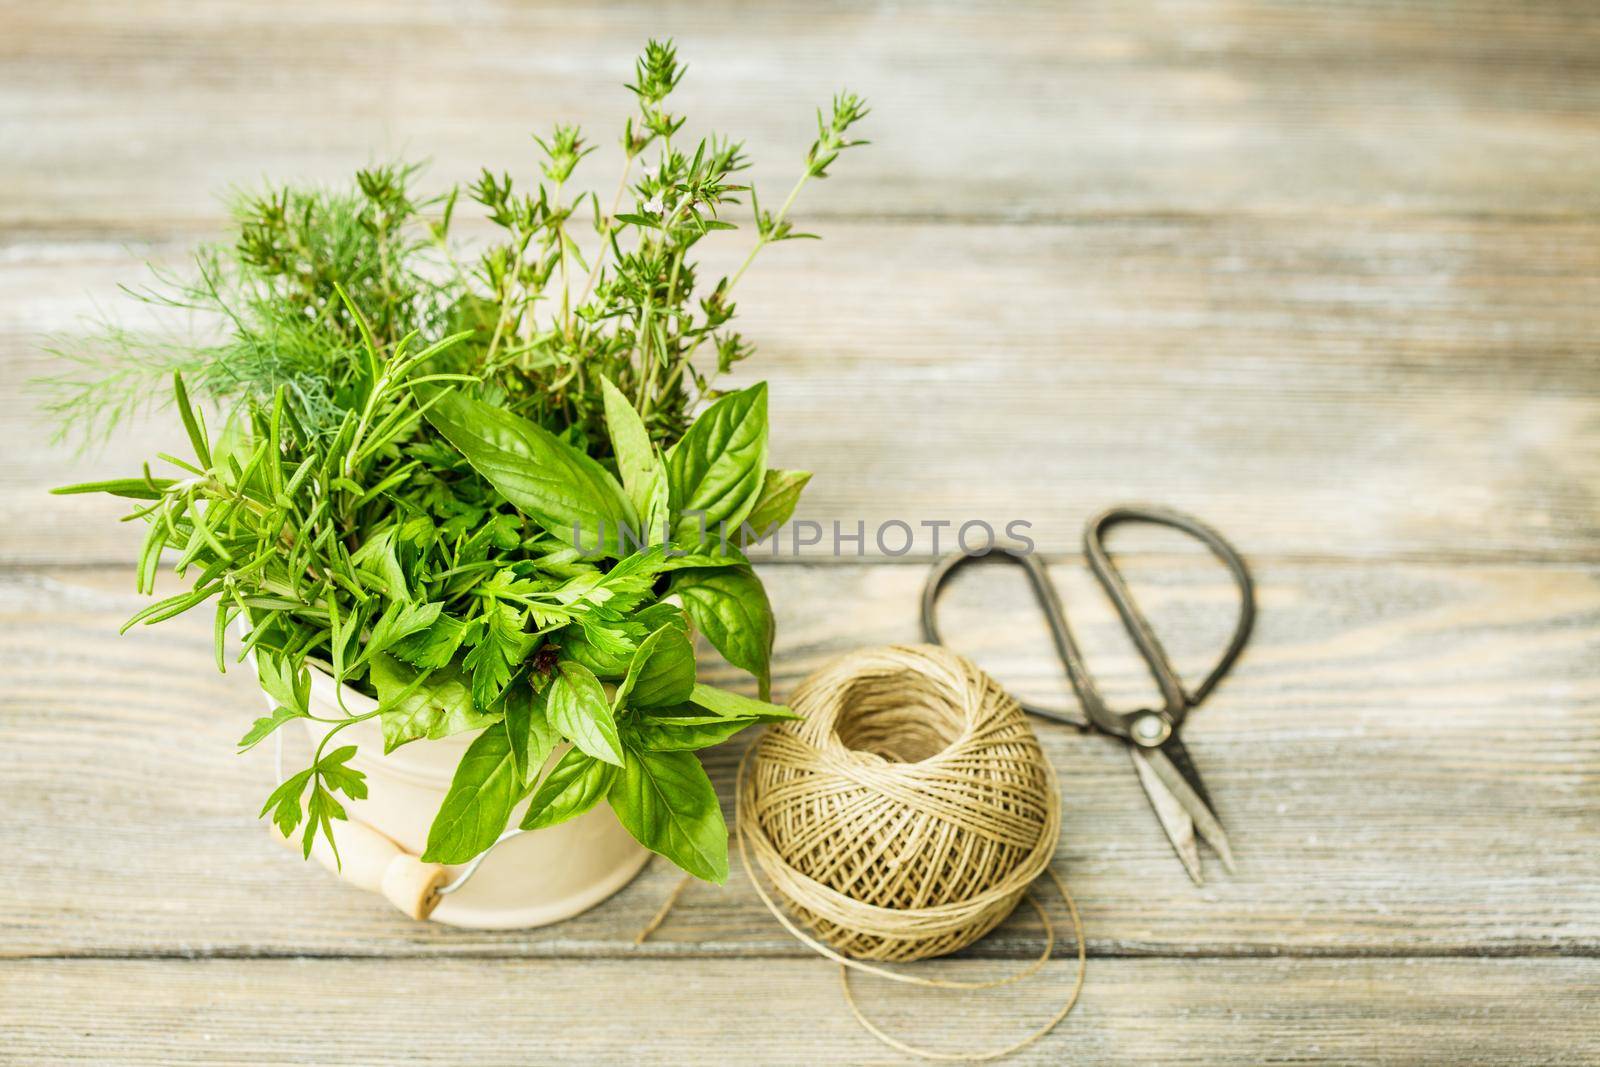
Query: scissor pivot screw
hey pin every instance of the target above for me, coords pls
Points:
(1150, 729)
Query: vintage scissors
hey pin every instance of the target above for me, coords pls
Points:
(1165, 770)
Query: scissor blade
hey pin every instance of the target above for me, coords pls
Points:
(1205, 821)
(1178, 753)
(1174, 818)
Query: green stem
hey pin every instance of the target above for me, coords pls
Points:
(503, 319)
(762, 242)
(566, 290)
(616, 202)
(777, 221)
(647, 394)
(646, 366)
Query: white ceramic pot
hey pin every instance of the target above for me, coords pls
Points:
(532, 879)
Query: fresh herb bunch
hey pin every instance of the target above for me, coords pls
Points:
(470, 493)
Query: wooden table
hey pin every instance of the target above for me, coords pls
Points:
(1326, 275)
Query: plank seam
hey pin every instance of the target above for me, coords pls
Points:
(1573, 950)
(23, 230)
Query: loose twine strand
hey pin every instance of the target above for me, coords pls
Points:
(904, 817)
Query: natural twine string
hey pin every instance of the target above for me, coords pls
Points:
(845, 964)
(904, 817)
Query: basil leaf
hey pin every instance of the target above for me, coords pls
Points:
(668, 734)
(662, 671)
(716, 469)
(528, 731)
(482, 793)
(630, 442)
(636, 664)
(730, 606)
(686, 715)
(660, 614)
(415, 705)
(713, 557)
(561, 488)
(665, 800)
(656, 509)
(733, 705)
(574, 785)
(577, 706)
(780, 492)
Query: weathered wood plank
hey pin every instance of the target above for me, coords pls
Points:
(789, 1011)
(1326, 274)
(138, 115)
(1405, 760)
(1314, 388)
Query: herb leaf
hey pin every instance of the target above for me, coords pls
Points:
(630, 442)
(716, 470)
(431, 648)
(500, 645)
(574, 785)
(130, 488)
(562, 489)
(263, 727)
(400, 619)
(347, 780)
(735, 705)
(475, 810)
(663, 733)
(284, 683)
(529, 732)
(667, 803)
(662, 670)
(577, 707)
(599, 657)
(730, 606)
(780, 492)
(284, 801)
(321, 809)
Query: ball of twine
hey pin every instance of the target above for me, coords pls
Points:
(907, 813)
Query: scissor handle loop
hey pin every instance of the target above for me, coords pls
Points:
(1177, 699)
(1048, 601)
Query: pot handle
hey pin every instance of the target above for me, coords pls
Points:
(370, 861)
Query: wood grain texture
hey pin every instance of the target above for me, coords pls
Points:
(1368, 389)
(791, 1011)
(1327, 274)
(135, 115)
(1405, 760)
